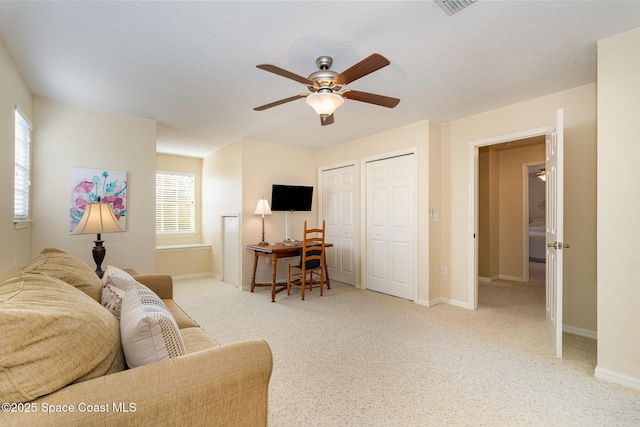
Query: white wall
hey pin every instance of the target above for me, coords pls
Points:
(618, 206)
(222, 193)
(265, 164)
(580, 193)
(235, 178)
(65, 137)
(15, 250)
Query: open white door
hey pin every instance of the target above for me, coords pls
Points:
(554, 234)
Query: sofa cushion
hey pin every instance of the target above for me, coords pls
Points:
(52, 335)
(148, 331)
(69, 269)
(195, 339)
(183, 320)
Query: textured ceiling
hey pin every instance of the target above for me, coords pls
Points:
(191, 65)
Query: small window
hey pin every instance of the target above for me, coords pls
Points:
(175, 203)
(22, 179)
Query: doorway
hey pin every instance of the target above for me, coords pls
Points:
(554, 149)
(505, 210)
(474, 217)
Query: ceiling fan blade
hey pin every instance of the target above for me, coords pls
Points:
(371, 98)
(361, 69)
(284, 73)
(282, 101)
(327, 121)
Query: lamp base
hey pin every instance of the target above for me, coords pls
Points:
(263, 243)
(99, 252)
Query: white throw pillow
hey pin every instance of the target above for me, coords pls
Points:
(148, 331)
(118, 278)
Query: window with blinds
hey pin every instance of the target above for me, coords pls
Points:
(22, 180)
(175, 203)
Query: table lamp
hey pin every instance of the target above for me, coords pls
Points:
(262, 208)
(98, 218)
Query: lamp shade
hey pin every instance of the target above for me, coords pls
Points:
(324, 103)
(97, 218)
(262, 208)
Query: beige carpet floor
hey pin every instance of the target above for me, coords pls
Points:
(360, 358)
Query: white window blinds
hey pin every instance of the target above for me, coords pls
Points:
(22, 180)
(175, 203)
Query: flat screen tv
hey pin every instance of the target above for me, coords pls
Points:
(291, 198)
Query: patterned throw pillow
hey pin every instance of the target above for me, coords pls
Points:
(112, 299)
(115, 283)
(148, 331)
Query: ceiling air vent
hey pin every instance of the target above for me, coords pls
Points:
(453, 6)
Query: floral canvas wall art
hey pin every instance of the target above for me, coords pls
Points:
(90, 184)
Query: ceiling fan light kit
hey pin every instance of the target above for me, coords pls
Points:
(326, 86)
(324, 103)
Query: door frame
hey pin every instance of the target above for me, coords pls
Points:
(413, 151)
(474, 150)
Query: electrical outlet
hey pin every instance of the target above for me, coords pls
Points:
(444, 270)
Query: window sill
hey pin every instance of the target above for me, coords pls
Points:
(184, 247)
(22, 224)
(175, 235)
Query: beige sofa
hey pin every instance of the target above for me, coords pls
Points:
(210, 385)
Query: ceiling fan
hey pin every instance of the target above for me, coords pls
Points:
(326, 86)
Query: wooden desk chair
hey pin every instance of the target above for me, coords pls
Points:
(311, 262)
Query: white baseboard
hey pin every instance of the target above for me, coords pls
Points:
(429, 303)
(511, 278)
(617, 378)
(489, 279)
(580, 331)
(455, 303)
(195, 275)
(501, 277)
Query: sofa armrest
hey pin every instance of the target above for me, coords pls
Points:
(161, 284)
(222, 386)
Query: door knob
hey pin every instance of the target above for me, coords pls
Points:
(558, 245)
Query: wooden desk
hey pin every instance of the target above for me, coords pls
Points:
(279, 250)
